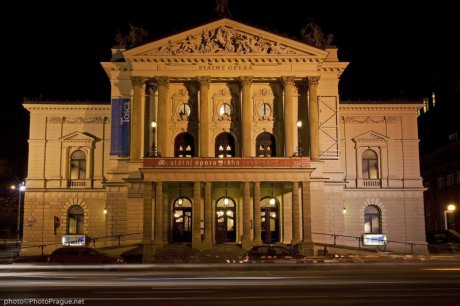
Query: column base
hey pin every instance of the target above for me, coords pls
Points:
(295, 241)
(206, 245)
(257, 242)
(246, 244)
(148, 251)
(306, 248)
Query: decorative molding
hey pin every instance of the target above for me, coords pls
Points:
(263, 95)
(77, 120)
(363, 119)
(380, 106)
(393, 119)
(223, 40)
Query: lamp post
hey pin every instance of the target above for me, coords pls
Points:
(299, 147)
(450, 210)
(154, 147)
(21, 188)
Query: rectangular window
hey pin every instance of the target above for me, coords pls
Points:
(440, 182)
(450, 179)
(458, 177)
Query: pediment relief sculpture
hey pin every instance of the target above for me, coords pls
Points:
(223, 40)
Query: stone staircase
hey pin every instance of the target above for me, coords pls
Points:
(183, 253)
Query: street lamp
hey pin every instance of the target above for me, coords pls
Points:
(299, 148)
(154, 147)
(21, 188)
(450, 210)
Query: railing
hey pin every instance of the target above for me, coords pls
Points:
(77, 183)
(89, 241)
(371, 183)
(360, 245)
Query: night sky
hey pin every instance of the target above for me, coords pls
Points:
(54, 54)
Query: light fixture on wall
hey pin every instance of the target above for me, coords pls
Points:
(272, 199)
(180, 201)
(344, 210)
(226, 201)
(105, 211)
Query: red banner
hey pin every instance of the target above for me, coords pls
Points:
(269, 162)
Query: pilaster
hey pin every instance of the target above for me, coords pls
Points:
(290, 116)
(313, 113)
(205, 116)
(246, 116)
(163, 117)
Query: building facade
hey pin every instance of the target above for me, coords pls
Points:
(224, 134)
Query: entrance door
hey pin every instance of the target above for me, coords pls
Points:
(182, 220)
(270, 220)
(225, 221)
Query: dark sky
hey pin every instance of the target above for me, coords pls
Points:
(53, 51)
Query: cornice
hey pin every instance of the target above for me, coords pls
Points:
(380, 106)
(65, 106)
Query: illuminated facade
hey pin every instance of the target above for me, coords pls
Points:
(224, 134)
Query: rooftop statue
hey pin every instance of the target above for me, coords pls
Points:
(313, 35)
(136, 37)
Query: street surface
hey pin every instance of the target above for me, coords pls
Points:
(412, 282)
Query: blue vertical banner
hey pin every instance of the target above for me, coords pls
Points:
(121, 119)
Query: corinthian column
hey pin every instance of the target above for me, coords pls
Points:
(246, 241)
(295, 214)
(136, 120)
(163, 116)
(313, 113)
(290, 116)
(247, 116)
(257, 220)
(205, 116)
(196, 224)
(158, 233)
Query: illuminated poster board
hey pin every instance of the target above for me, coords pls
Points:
(74, 240)
(374, 239)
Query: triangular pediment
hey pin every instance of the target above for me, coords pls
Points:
(78, 137)
(370, 136)
(225, 37)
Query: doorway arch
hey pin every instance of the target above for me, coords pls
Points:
(182, 220)
(225, 220)
(269, 215)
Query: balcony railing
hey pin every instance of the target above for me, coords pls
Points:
(77, 184)
(371, 183)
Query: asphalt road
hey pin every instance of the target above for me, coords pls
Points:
(391, 283)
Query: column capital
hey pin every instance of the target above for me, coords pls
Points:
(313, 81)
(137, 81)
(245, 80)
(151, 86)
(162, 81)
(287, 81)
(204, 81)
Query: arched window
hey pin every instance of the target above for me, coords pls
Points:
(184, 145)
(78, 165)
(372, 220)
(265, 145)
(370, 165)
(225, 145)
(75, 220)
